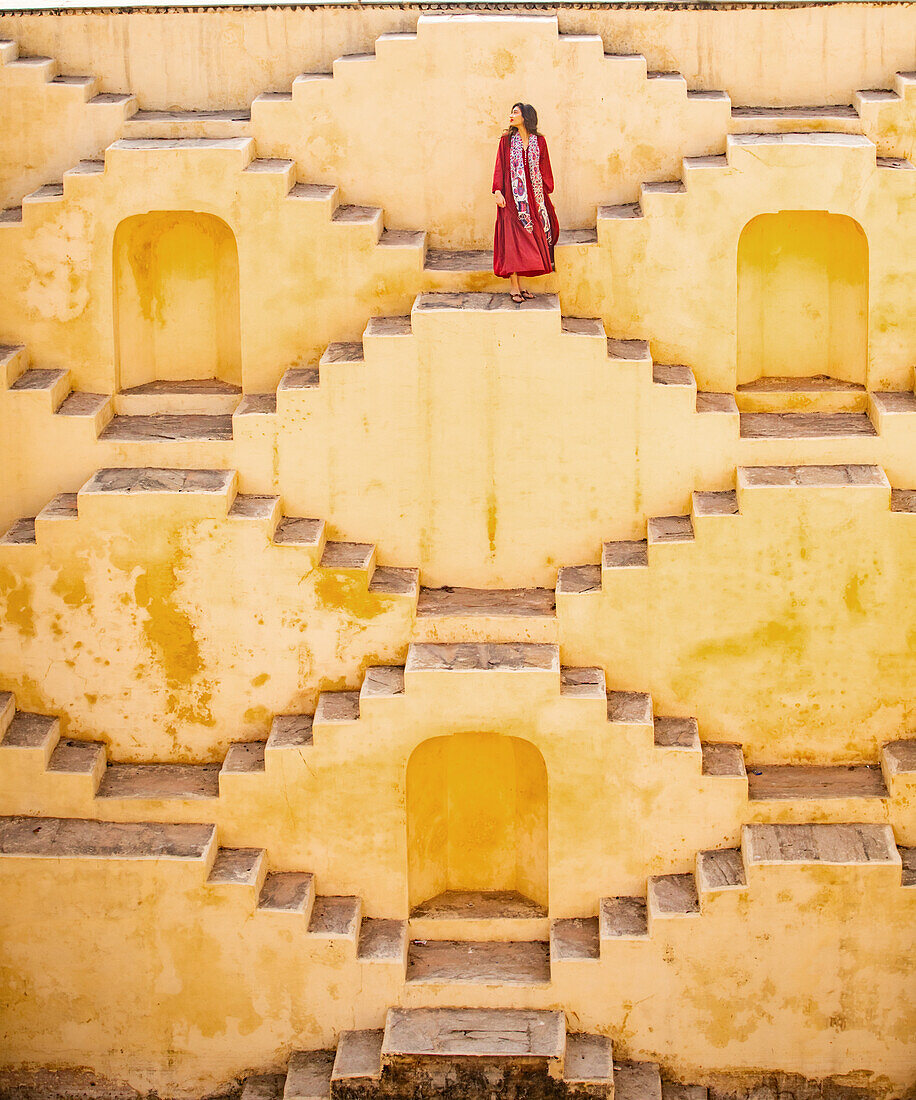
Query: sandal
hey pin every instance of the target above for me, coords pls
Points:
(517, 298)
(527, 295)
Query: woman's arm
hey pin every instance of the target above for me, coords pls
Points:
(546, 170)
(499, 172)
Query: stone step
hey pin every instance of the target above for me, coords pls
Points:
(336, 918)
(349, 557)
(482, 657)
(721, 758)
(35, 735)
(885, 408)
(358, 1058)
(465, 262)
(188, 123)
(704, 505)
(521, 603)
(463, 962)
(244, 758)
(169, 427)
(83, 759)
(75, 838)
(382, 941)
(860, 476)
(20, 533)
(160, 782)
(263, 1086)
(672, 896)
(583, 683)
(631, 708)
(574, 939)
(480, 1033)
(239, 867)
(677, 733)
(479, 915)
(843, 119)
(51, 387)
(720, 869)
(661, 530)
(288, 892)
(848, 843)
(196, 397)
(898, 759)
(334, 707)
(814, 394)
(908, 866)
(309, 1075)
(806, 782)
(382, 682)
(805, 425)
(623, 918)
(482, 302)
(637, 1081)
(289, 731)
(589, 1062)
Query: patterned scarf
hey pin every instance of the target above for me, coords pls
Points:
(519, 184)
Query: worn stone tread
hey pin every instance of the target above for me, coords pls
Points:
(244, 757)
(160, 781)
(722, 758)
(623, 917)
(263, 1086)
(629, 707)
(236, 866)
(900, 756)
(288, 731)
(252, 506)
(395, 582)
(721, 867)
(190, 427)
(805, 425)
(483, 656)
(479, 905)
(335, 917)
(347, 555)
(38, 379)
(309, 1075)
(676, 733)
(337, 706)
(674, 894)
(724, 503)
(298, 531)
(442, 259)
(487, 963)
(74, 757)
(287, 891)
(637, 1081)
(847, 843)
(82, 403)
(669, 529)
(382, 940)
(506, 602)
(359, 1055)
(20, 533)
(589, 1059)
(890, 401)
(672, 374)
(631, 554)
(573, 938)
(813, 476)
(578, 579)
(903, 500)
(475, 1032)
(815, 383)
(63, 838)
(806, 781)
(710, 402)
(674, 1090)
(382, 681)
(197, 386)
(63, 506)
(582, 683)
(908, 866)
(485, 302)
(27, 731)
(151, 479)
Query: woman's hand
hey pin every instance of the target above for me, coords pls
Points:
(500, 201)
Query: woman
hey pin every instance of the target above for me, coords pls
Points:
(526, 223)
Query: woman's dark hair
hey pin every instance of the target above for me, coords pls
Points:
(529, 114)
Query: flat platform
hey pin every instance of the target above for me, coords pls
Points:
(785, 781)
(484, 963)
(479, 905)
(474, 1032)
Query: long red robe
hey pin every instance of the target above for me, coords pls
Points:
(514, 248)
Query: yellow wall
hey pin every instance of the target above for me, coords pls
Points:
(476, 816)
(485, 446)
(802, 297)
(176, 285)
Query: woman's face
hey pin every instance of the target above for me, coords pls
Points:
(516, 118)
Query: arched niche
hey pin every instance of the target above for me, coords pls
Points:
(476, 817)
(802, 297)
(176, 289)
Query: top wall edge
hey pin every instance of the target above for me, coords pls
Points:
(553, 6)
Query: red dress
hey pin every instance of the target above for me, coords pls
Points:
(514, 248)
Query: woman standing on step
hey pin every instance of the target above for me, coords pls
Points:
(526, 223)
